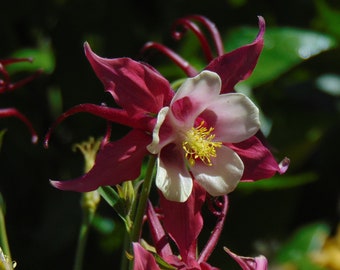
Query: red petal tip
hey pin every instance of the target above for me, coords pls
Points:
(284, 164)
(34, 138)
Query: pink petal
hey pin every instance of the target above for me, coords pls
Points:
(136, 87)
(194, 96)
(173, 177)
(259, 162)
(240, 63)
(159, 236)
(117, 162)
(223, 176)
(143, 260)
(234, 117)
(248, 263)
(206, 266)
(162, 132)
(184, 222)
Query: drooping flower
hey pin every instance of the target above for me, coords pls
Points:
(191, 134)
(140, 92)
(6, 85)
(232, 67)
(184, 226)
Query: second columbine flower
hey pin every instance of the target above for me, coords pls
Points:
(191, 134)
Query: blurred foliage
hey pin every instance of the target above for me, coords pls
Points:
(297, 252)
(296, 85)
(2, 133)
(284, 48)
(42, 57)
(279, 182)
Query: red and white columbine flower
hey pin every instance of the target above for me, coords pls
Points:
(232, 67)
(141, 92)
(191, 134)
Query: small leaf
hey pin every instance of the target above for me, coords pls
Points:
(109, 195)
(116, 202)
(43, 58)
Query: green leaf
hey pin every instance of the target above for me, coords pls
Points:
(103, 224)
(116, 202)
(279, 182)
(43, 58)
(284, 48)
(109, 195)
(329, 17)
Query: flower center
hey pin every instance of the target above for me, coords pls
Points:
(198, 144)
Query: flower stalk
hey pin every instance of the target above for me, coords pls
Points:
(83, 234)
(138, 221)
(144, 196)
(3, 233)
(89, 200)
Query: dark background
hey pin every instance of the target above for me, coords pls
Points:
(43, 222)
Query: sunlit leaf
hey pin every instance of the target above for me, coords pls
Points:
(329, 83)
(43, 58)
(284, 48)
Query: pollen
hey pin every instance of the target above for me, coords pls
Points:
(199, 144)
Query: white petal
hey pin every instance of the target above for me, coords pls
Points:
(201, 91)
(154, 146)
(173, 178)
(223, 176)
(234, 117)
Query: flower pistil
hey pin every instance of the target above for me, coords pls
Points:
(198, 144)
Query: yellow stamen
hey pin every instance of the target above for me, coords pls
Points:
(198, 144)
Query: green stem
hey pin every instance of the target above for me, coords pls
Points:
(82, 238)
(137, 224)
(3, 233)
(124, 261)
(138, 221)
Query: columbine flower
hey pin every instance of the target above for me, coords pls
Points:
(232, 67)
(140, 92)
(191, 134)
(6, 86)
